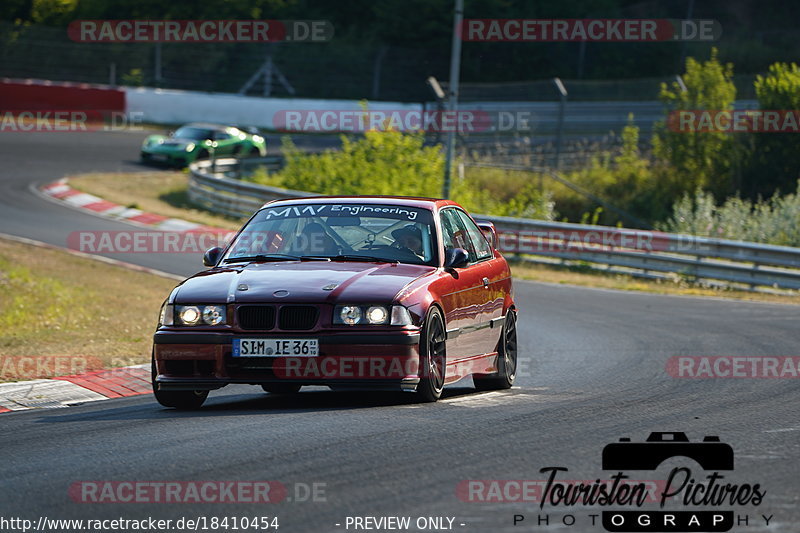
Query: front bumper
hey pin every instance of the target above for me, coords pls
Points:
(169, 157)
(362, 360)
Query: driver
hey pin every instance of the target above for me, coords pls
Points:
(410, 238)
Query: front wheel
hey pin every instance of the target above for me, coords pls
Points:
(178, 399)
(506, 359)
(432, 357)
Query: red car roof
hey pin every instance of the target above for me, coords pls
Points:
(408, 201)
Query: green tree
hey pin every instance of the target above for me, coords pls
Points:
(699, 158)
(775, 162)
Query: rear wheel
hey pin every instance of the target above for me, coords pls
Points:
(179, 399)
(433, 358)
(506, 359)
(281, 388)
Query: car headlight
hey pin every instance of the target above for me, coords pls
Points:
(189, 147)
(193, 315)
(349, 314)
(213, 315)
(377, 315)
(374, 315)
(189, 315)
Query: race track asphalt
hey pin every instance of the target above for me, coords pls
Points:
(592, 370)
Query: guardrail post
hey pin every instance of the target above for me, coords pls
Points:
(560, 132)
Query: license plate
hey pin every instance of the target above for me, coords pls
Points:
(275, 347)
(158, 157)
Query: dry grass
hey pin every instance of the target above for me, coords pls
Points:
(160, 192)
(76, 310)
(564, 275)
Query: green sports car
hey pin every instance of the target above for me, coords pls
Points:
(201, 141)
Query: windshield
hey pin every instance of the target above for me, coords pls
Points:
(195, 134)
(341, 231)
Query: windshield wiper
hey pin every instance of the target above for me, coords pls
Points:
(354, 257)
(262, 257)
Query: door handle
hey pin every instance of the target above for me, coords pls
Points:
(485, 283)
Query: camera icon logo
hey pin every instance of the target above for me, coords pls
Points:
(710, 454)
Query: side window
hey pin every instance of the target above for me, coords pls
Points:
(454, 233)
(482, 248)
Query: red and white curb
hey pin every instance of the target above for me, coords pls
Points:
(65, 391)
(60, 190)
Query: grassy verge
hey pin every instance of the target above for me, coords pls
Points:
(164, 193)
(161, 192)
(60, 313)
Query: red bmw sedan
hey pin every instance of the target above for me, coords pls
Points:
(367, 293)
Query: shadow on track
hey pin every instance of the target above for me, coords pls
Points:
(307, 401)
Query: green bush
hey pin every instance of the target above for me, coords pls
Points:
(774, 221)
(626, 180)
(382, 163)
(398, 164)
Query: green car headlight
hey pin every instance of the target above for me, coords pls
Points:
(189, 147)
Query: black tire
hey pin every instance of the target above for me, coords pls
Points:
(178, 399)
(506, 359)
(254, 152)
(433, 358)
(281, 388)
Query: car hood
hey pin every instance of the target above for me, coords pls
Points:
(301, 282)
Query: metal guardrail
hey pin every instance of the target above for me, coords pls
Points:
(641, 253)
(215, 185)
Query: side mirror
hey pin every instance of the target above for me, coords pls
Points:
(211, 256)
(489, 232)
(455, 258)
